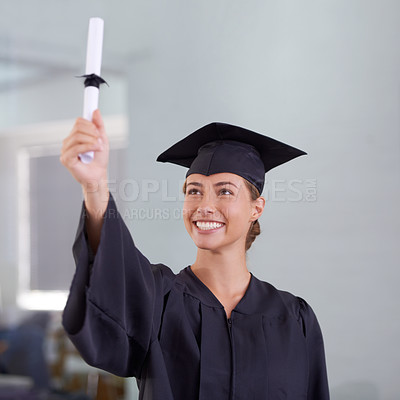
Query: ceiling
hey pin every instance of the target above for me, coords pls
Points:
(39, 38)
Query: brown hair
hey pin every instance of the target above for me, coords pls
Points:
(255, 228)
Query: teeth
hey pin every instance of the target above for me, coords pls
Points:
(205, 226)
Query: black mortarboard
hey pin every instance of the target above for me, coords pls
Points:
(219, 147)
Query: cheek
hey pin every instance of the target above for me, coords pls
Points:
(238, 213)
(188, 210)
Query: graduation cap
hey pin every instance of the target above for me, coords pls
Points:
(219, 147)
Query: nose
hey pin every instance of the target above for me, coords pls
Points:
(206, 206)
(203, 211)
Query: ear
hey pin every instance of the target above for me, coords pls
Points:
(258, 208)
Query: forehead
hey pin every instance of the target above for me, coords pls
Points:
(215, 178)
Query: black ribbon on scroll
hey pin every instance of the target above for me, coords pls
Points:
(93, 80)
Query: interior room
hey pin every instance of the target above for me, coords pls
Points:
(321, 75)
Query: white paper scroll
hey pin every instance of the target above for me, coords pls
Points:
(93, 66)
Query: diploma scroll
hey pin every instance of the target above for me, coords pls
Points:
(92, 74)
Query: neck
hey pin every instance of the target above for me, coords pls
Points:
(224, 273)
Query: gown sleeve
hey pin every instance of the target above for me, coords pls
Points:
(317, 380)
(114, 307)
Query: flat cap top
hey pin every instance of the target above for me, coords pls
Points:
(220, 147)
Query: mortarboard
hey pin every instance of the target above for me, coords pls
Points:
(219, 147)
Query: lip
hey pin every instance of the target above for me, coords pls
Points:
(209, 222)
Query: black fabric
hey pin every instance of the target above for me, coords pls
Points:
(93, 80)
(133, 318)
(219, 147)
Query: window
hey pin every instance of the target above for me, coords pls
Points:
(49, 208)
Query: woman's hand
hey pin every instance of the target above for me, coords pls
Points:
(87, 136)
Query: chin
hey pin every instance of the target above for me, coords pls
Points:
(207, 244)
(207, 248)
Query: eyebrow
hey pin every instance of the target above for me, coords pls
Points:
(218, 184)
(226, 183)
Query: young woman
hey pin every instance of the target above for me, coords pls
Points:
(213, 331)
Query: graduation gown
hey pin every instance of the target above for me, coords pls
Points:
(133, 318)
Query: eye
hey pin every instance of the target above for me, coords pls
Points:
(193, 191)
(225, 192)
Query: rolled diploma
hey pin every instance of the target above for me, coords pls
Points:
(93, 66)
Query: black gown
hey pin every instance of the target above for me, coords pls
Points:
(133, 318)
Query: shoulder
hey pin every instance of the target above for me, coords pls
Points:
(163, 276)
(301, 310)
(290, 304)
(294, 304)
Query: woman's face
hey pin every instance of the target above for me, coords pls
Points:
(218, 210)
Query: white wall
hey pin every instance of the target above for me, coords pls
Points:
(323, 76)
(320, 75)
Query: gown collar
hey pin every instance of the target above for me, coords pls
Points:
(196, 288)
(259, 298)
(251, 302)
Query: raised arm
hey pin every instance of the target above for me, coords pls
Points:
(116, 297)
(89, 136)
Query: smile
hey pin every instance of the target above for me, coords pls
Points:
(207, 226)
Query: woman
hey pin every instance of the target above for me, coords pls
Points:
(213, 331)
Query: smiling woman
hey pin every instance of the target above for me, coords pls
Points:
(218, 211)
(213, 331)
(255, 228)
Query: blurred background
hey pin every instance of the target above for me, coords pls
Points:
(323, 76)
